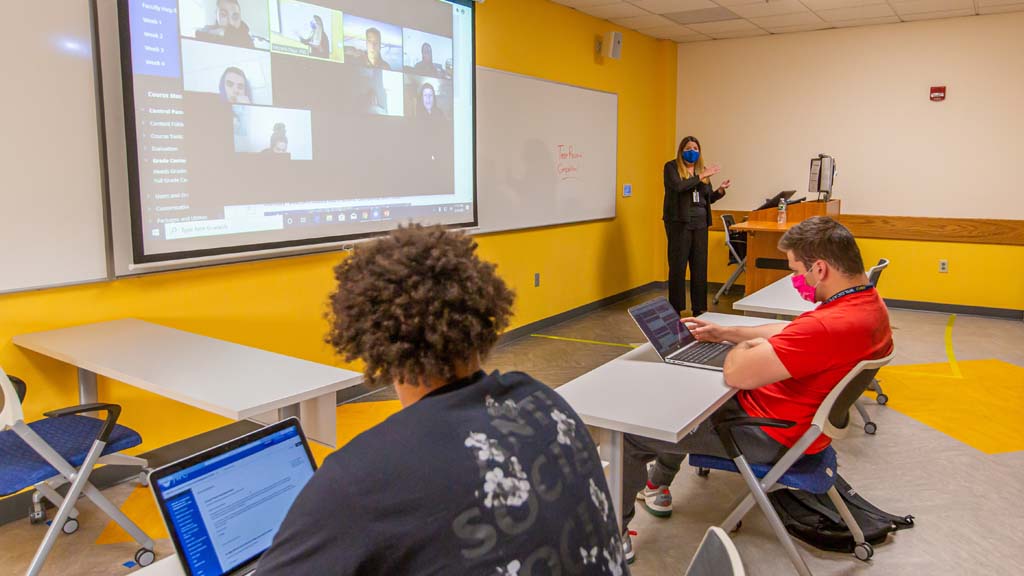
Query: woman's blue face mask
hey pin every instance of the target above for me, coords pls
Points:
(690, 156)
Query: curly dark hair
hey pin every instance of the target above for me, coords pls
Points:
(415, 303)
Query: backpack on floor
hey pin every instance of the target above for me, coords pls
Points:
(813, 519)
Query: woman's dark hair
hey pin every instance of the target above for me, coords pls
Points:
(414, 303)
(320, 22)
(234, 70)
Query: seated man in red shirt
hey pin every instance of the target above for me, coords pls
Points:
(783, 370)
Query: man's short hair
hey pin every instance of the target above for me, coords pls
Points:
(373, 31)
(822, 238)
(416, 302)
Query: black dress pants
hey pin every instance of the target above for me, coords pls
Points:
(687, 246)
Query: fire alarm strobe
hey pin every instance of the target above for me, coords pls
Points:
(937, 93)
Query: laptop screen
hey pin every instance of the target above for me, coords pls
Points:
(225, 506)
(660, 323)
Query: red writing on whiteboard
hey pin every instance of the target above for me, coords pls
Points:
(569, 161)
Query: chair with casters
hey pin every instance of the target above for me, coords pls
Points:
(737, 244)
(65, 447)
(716, 556)
(874, 274)
(813, 473)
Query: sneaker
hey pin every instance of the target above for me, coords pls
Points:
(656, 499)
(627, 546)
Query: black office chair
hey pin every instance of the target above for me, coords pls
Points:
(737, 244)
(874, 274)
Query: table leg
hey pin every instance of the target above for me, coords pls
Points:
(87, 387)
(320, 419)
(288, 412)
(611, 452)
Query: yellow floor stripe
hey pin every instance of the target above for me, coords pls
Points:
(353, 420)
(582, 341)
(981, 408)
(949, 348)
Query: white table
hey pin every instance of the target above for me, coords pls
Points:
(779, 298)
(229, 379)
(638, 393)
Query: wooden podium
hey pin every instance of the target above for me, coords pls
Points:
(765, 262)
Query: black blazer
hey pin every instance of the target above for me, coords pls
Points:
(679, 195)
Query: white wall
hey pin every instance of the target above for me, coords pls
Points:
(763, 106)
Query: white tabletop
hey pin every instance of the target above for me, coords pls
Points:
(779, 297)
(638, 393)
(221, 377)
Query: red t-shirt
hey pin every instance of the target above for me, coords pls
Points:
(818, 348)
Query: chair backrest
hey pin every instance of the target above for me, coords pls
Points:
(716, 556)
(10, 403)
(833, 416)
(876, 271)
(735, 255)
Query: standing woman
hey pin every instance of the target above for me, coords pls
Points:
(687, 216)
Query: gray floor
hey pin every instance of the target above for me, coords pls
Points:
(969, 506)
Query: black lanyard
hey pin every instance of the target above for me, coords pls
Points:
(847, 292)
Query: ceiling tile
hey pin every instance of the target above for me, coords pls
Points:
(1000, 9)
(818, 5)
(647, 21)
(800, 28)
(787, 20)
(731, 3)
(711, 28)
(618, 10)
(919, 6)
(938, 15)
(667, 32)
(586, 3)
(666, 6)
(856, 13)
(739, 34)
(698, 38)
(698, 16)
(763, 9)
(867, 22)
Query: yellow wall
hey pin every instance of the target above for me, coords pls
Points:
(979, 274)
(278, 305)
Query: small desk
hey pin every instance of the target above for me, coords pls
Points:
(779, 298)
(232, 380)
(638, 393)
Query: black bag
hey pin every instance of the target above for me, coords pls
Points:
(813, 519)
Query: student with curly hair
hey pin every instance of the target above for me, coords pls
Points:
(479, 473)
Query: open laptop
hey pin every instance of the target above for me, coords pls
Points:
(224, 505)
(660, 323)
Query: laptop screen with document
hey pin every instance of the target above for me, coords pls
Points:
(224, 506)
(659, 321)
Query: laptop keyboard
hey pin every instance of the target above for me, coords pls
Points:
(701, 353)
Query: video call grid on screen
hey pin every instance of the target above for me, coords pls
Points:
(257, 124)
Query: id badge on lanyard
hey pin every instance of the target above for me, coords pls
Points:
(696, 196)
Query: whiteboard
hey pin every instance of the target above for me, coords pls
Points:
(546, 152)
(52, 214)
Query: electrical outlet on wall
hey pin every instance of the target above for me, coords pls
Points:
(943, 266)
(536, 279)
(627, 190)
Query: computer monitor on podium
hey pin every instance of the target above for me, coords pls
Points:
(822, 174)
